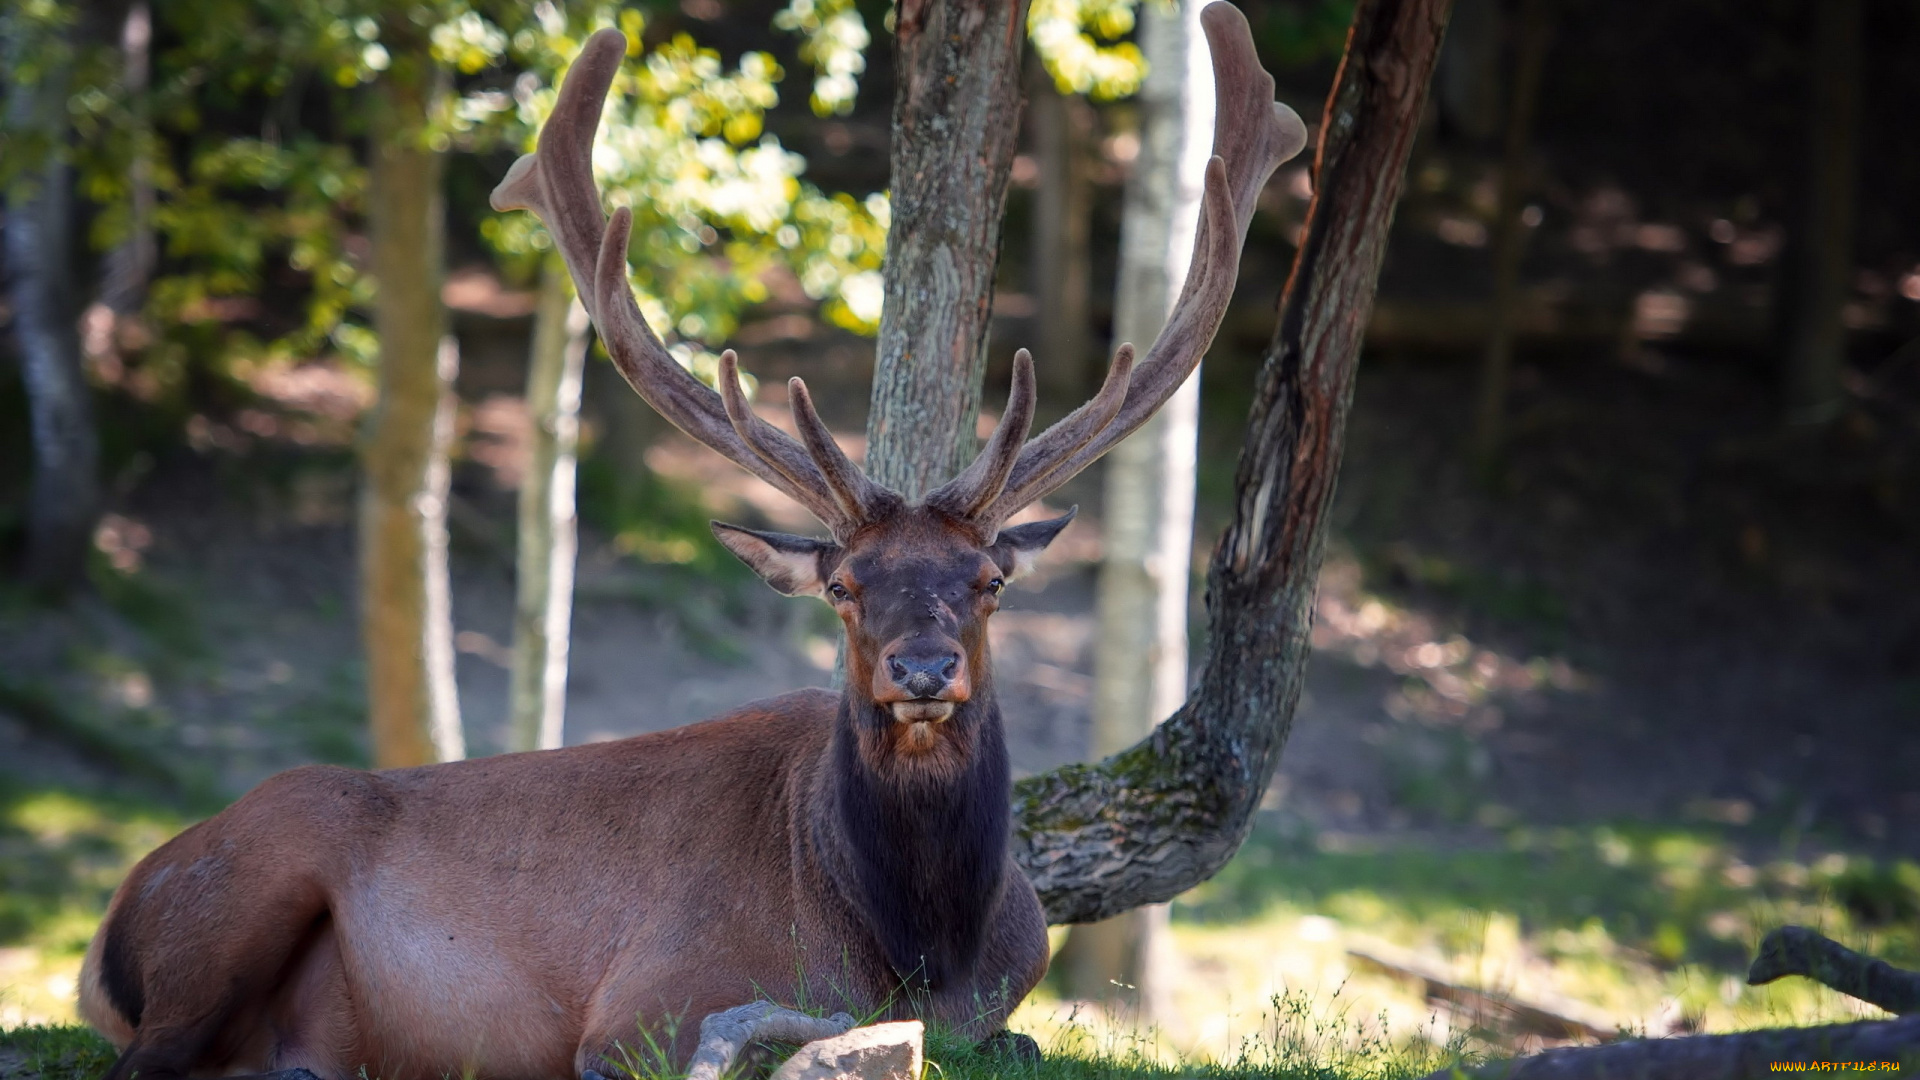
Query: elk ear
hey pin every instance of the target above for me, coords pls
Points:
(1019, 546)
(794, 565)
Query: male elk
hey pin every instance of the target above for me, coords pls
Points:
(515, 916)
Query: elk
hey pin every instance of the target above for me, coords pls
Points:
(515, 916)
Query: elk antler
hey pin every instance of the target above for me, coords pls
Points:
(1252, 135)
(556, 182)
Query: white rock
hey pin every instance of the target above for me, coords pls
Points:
(877, 1052)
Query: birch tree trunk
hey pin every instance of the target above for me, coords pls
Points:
(957, 89)
(64, 497)
(1148, 823)
(1140, 658)
(129, 266)
(406, 608)
(1817, 352)
(549, 525)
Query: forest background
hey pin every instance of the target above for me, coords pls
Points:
(1609, 678)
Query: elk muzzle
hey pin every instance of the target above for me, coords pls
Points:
(922, 682)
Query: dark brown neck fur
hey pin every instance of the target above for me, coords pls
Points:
(921, 835)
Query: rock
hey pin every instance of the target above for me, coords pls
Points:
(877, 1052)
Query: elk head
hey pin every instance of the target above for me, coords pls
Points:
(914, 582)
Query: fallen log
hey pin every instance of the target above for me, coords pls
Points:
(1549, 1016)
(1796, 950)
(1891, 1047)
(1878, 1046)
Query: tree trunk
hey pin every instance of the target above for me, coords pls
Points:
(957, 88)
(1062, 232)
(543, 609)
(129, 266)
(65, 493)
(405, 604)
(1147, 824)
(1140, 660)
(1818, 347)
(1510, 233)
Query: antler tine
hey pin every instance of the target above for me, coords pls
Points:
(1253, 134)
(860, 496)
(976, 488)
(556, 182)
(777, 449)
(1058, 443)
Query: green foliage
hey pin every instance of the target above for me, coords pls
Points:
(1080, 43)
(718, 204)
(250, 133)
(834, 45)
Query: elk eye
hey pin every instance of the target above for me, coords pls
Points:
(837, 591)
(995, 586)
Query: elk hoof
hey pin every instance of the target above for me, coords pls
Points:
(1010, 1045)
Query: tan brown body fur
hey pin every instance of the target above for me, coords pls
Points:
(450, 918)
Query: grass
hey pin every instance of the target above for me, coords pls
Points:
(62, 853)
(70, 1052)
(53, 1052)
(1637, 920)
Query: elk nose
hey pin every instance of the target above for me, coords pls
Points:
(923, 676)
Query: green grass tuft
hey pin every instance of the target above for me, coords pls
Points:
(53, 1052)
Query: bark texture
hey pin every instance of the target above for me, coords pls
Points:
(1818, 347)
(1146, 824)
(1740, 1056)
(406, 610)
(954, 135)
(1140, 659)
(549, 523)
(64, 497)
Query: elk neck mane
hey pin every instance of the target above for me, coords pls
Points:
(918, 848)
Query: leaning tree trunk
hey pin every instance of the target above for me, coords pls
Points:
(549, 525)
(65, 493)
(957, 88)
(406, 610)
(1140, 658)
(1147, 824)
